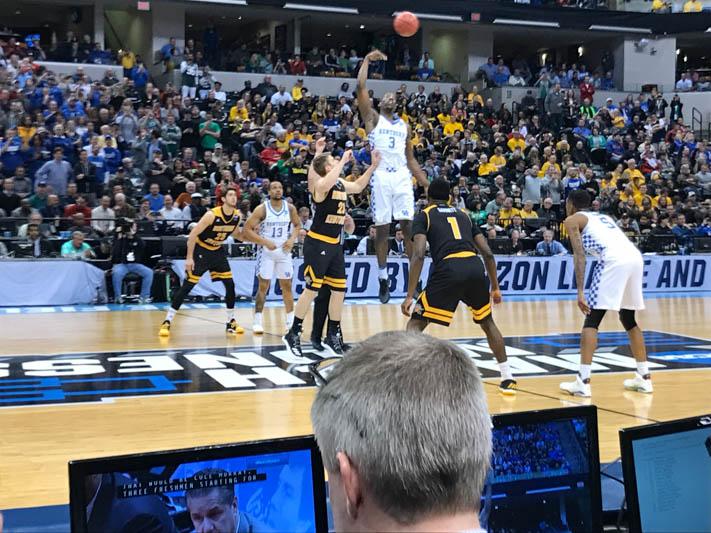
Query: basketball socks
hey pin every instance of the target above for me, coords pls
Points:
(505, 371)
(258, 318)
(289, 318)
(230, 314)
(170, 315)
(383, 272)
(296, 326)
(643, 368)
(585, 371)
(333, 326)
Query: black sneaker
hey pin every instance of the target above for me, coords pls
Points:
(508, 387)
(292, 341)
(333, 341)
(384, 292)
(316, 344)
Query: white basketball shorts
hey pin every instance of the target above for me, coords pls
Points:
(274, 263)
(618, 284)
(392, 196)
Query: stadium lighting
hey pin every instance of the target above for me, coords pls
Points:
(515, 22)
(433, 16)
(226, 2)
(621, 29)
(325, 9)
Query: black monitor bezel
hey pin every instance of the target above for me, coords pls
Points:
(125, 463)
(627, 437)
(589, 412)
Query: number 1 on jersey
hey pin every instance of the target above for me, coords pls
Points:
(455, 227)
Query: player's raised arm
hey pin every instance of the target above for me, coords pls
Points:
(572, 226)
(417, 260)
(412, 164)
(357, 186)
(312, 175)
(490, 263)
(249, 232)
(325, 183)
(204, 223)
(367, 114)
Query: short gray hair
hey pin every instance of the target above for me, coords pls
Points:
(410, 412)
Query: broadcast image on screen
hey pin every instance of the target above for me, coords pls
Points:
(674, 481)
(541, 478)
(253, 494)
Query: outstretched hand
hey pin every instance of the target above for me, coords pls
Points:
(376, 55)
(320, 145)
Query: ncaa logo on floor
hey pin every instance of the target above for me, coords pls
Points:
(101, 377)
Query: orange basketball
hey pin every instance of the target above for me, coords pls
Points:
(406, 24)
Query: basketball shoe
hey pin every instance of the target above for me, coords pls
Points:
(639, 384)
(577, 387)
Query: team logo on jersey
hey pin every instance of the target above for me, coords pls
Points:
(100, 377)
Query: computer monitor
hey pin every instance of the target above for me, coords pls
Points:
(667, 469)
(273, 485)
(545, 472)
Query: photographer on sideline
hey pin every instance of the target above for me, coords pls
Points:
(127, 256)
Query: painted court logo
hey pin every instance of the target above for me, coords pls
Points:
(94, 377)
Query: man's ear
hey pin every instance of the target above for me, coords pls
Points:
(351, 484)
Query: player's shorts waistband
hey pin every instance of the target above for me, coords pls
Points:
(207, 246)
(459, 254)
(324, 238)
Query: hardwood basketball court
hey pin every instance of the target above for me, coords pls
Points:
(38, 439)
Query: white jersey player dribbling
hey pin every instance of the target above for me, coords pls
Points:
(616, 285)
(279, 225)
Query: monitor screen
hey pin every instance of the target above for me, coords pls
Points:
(256, 487)
(668, 475)
(545, 472)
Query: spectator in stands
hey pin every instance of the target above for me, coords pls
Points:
(366, 494)
(683, 233)
(172, 215)
(127, 255)
(9, 200)
(55, 173)
(693, 6)
(549, 246)
(685, 84)
(103, 217)
(425, 67)
(76, 248)
(366, 243)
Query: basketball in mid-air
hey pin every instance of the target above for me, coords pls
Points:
(406, 24)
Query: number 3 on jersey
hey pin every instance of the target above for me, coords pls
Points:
(392, 143)
(455, 227)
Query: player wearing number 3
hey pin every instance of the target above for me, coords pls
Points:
(274, 217)
(391, 187)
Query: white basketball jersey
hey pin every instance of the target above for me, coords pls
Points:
(604, 239)
(390, 139)
(275, 226)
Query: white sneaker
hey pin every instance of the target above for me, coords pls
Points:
(577, 387)
(639, 384)
(257, 329)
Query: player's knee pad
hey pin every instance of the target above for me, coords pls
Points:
(628, 319)
(594, 318)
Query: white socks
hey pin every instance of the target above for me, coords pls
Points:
(585, 371)
(383, 273)
(505, 371)
(289, 319)
(230, 315)
(170, 315)
(258, 318)
(643, 368)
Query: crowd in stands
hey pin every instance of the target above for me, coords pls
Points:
(528, 453)
(77, 152)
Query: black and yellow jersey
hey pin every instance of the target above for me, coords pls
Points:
(329, 215)
(222, 227)
(449, 231)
